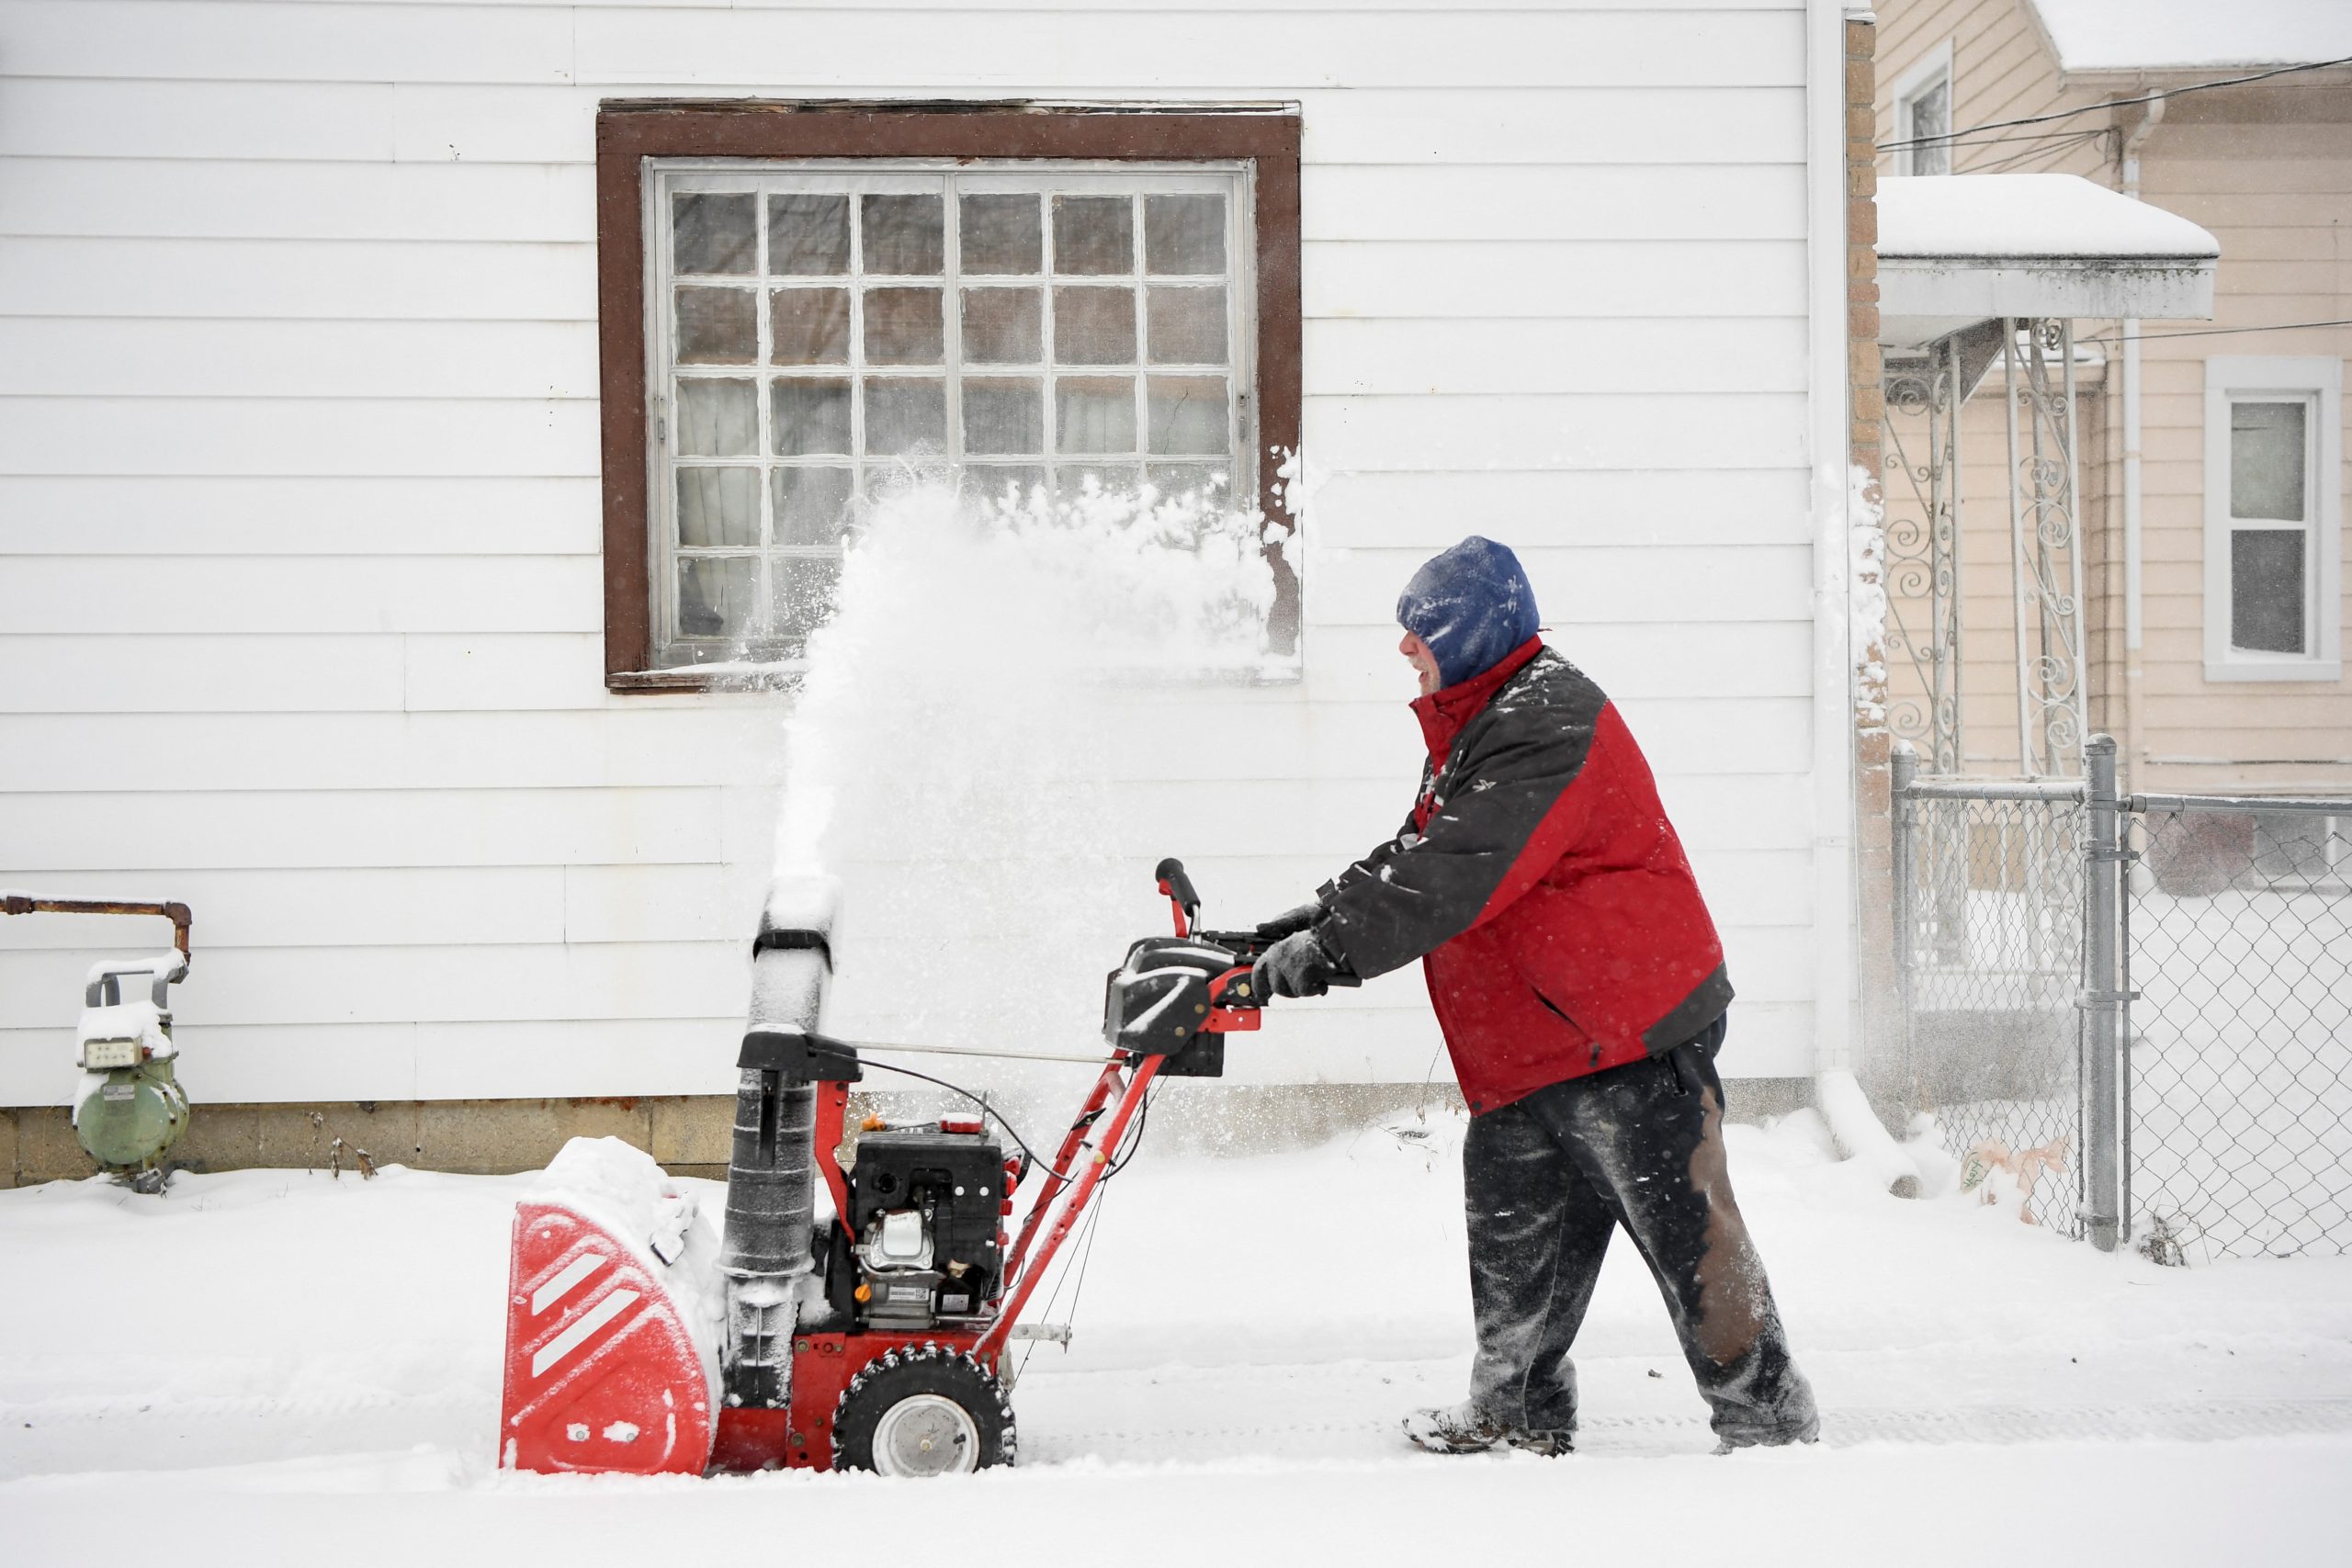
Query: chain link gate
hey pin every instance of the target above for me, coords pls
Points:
(2139, 1005)
(1989, 922)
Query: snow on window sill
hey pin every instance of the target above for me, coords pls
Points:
(761, 677)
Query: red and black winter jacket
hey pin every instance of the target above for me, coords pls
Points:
(1539, 879)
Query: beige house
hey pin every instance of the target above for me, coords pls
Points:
(2208, 498)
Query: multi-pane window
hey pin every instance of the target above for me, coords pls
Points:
(822, 333)
(2273, 528)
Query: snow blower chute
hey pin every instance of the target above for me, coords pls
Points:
(871, 1337)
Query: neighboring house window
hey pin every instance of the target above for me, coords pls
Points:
(827, 299)
(1923, 115)
(2273, 518)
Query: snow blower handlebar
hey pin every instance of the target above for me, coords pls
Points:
(1247, 947)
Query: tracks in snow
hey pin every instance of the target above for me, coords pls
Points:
(1320, 1413)
(1348, 1412)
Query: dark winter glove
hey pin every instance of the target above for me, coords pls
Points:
(1298, 966)
(1290, 922)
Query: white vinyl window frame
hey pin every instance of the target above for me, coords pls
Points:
(950, 178)
(1932, 70)
(2317, 382)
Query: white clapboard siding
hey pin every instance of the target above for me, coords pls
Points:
(458, 984)
(979, 10)
(1629, 124)
(301, 588)
(264, 43)
(273, 514)
(1475, 357)
(530, 1059)
(1573, 201)
(143, 670)
(107, 674)
(1675, 506)
(297, 435)
(1218, 50)
(89, 118)
(1213, 50)
(132, 829)
(242, 906)
(297, 200)
(1543, 279)
(1657, 126)
(539, 748)
(1593, 430)
(316, 593)
(410, 906)
(114, 356)
(291, 279)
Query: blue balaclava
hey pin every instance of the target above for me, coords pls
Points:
(1472, 605)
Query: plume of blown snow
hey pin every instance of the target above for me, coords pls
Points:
(987, 678)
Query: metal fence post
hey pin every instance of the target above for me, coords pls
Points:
(2102, 991)
(1902, 767)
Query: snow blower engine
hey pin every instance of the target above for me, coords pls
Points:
(866, 1332)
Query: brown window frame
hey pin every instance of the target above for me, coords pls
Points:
(630, 131)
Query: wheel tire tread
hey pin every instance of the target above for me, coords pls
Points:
(931, 1369)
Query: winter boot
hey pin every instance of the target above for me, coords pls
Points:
(1462, 1429)
(1805, 1428)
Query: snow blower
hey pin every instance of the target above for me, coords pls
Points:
(871, 1336)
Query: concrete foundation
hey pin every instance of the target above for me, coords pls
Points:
(688, 1134)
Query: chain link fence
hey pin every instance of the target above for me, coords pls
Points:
(1990, 901)
(2135, 1012)
(2240, 1124)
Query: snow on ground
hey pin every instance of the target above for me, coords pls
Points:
(296, 1366)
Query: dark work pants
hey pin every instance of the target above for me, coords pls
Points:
(1547, 1181)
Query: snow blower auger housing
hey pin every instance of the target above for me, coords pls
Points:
(869, 1337)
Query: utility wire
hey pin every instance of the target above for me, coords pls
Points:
(1949, 136)
(2063, 146)
(1962, 140)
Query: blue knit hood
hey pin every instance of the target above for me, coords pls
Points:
(1472, 605)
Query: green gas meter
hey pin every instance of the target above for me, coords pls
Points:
(128, 1107)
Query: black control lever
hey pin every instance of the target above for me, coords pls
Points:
(1174, 882)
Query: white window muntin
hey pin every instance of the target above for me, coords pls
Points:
(949, 179)
(2315, 382)
(1912, 90)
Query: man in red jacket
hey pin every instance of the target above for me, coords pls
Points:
(1580, 984)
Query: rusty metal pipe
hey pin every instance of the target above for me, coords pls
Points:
(26, 904)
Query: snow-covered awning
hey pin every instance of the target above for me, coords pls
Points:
(2145, 37)
(1954, 250)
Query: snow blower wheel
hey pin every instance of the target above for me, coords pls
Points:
(923, 1413)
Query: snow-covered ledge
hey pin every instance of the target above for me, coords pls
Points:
(1958, 249)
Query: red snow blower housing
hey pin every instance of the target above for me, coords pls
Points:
(871, 1338)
